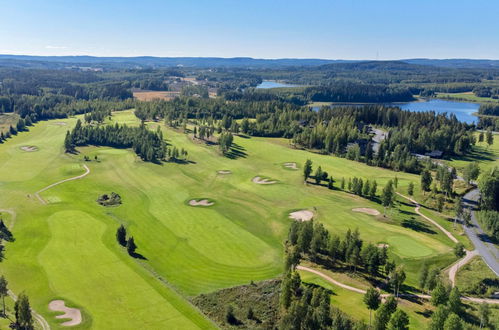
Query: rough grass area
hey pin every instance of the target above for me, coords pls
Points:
(8, 119)
(262, 297)
(487, 156)
(477, 279)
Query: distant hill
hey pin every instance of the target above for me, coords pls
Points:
(455, 63)
(207, 62)
(149, 61)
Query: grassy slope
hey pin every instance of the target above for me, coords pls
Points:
(197, 250)
(488, 157)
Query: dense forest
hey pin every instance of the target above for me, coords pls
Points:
(346, 131)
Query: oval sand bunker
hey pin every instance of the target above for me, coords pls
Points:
(29, 148)
(224, 172)
(260, 180)
(291, 166)
(302, 215)
(201, 202)
(73, 314)
(366, 210)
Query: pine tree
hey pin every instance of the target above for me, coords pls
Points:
(410, 189)
(4, 291)
(426, 180)
(372, 300)
(307, 169)
(24, 319)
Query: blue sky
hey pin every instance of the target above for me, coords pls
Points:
(333, 29)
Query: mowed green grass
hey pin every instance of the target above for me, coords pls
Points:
(67, 249)
(487, 156)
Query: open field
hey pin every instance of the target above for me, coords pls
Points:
(154, 95)
(467, 97)
(67, 250)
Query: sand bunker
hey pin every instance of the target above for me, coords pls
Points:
(73, 314)
(383, 245)
(291, 166)
(29, 148)
(224, 172)
(201, 202)
(260, 180)
(367, 210)
(303, 215)
(61, 123)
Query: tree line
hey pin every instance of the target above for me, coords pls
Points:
(149, 145)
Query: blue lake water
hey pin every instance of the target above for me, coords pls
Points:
(273, 84)
(463, 110)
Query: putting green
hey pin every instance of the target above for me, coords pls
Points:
(408, 247)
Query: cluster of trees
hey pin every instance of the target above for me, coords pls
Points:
(449, 308)
(489, 202)
(367, 189)
(128, 243)
(5, 235)
(489, 188)
(307, 307)
(22, 310)
(225, 141)
(21, 126)
(149, 145)
(490, 221)
(387, 314)
(357, 92)
(312, 240)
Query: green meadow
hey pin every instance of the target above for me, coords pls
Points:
(67, 249)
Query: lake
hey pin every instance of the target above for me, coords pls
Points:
(463, 110)
(273, 84)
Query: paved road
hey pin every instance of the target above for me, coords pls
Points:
(488, 251)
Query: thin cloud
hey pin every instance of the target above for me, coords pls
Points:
(55, 47)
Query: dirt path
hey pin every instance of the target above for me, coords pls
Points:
(37, 194)
(13, 214)
(460, 263)
(422, 296)
(442, 229)
(43, 323)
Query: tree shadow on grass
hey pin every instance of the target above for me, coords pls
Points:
(417, 226)
(137, 256)
(236, 151)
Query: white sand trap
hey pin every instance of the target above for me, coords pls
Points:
(60, 123)
(259, 180)
(201, 202)
(291, 166)
(224, 172)
(383, 245)
(73, 314)
(29, 148)
(303, 215)
(366, 210)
